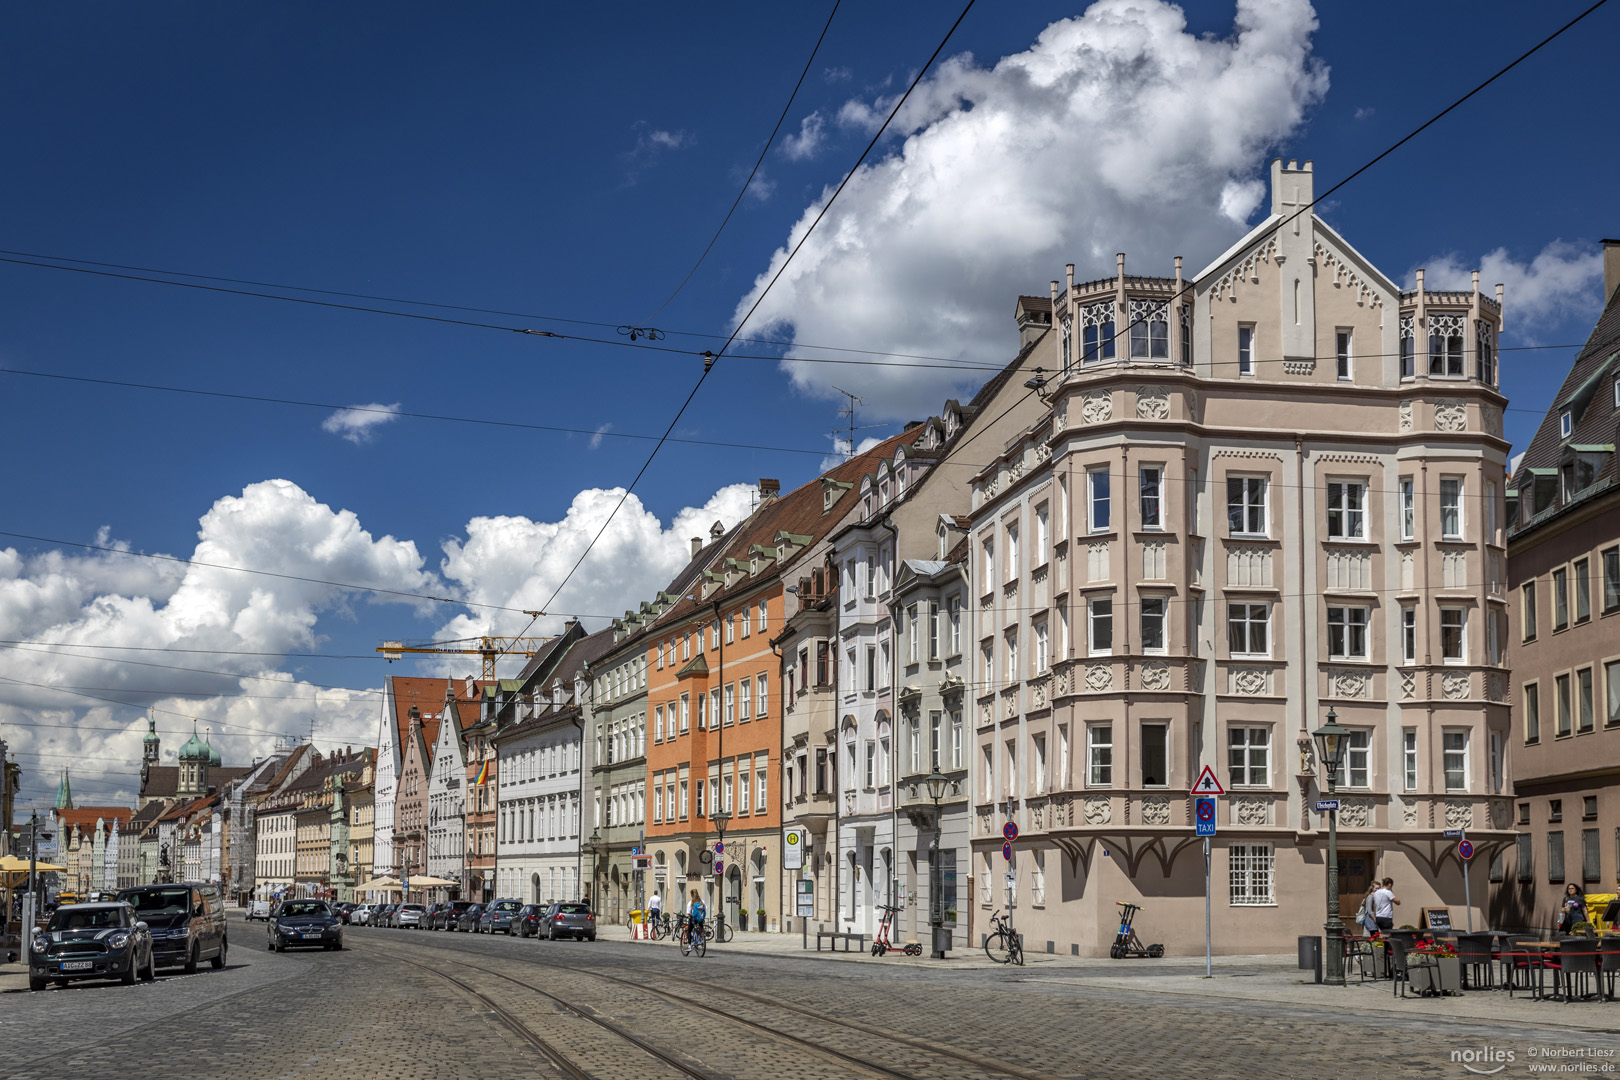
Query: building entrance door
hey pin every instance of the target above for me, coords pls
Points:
(1355, 878)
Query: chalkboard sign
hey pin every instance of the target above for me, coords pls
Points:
(1437, 918)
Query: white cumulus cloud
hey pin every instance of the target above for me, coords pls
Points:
(357, 422)
(1562, 281)
(1117, 130)
(799, 147)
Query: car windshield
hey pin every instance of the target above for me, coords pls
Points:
(159, 901)
(305, 907)
(508, 906)
(74, 917)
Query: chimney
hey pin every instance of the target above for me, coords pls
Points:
(768, 490)
(1611, 269)
(697, 545)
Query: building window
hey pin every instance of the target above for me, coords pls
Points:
(1560, 584)
(746, 696)
(1527, 610)
(1589, 808)
(1013, 674)
(1484, 353)
(1042, 656)
(1152, 484)
(1245, 357)
(1409, 634)
(1347, 633)
(1246, 505)
(1251, 875)
(1562, 704)
(1526, 857)
(956, 739)
(1249, 756)
(1098, 487)
(1357, 761)
(1100, 755)
(871, 674)
(1445, 344)
(1409, 762)
(1555, 809)
(1532, 713)
(1555, 856)
(1583, 589)
(1153, 624)
(1455, 744)
(1408, 509)
(1565, 424)
(1342, 353)
(1246, 629)
(1589, 856)
(953, 615)
(1346, 515)
(1155, 755)
(1451, 524)
(1100, 617)
(1611, 580)
(933, 629)
(1583, 699)
(1097, 332)
(1012, 553)
(1150, 330)
(1043, 534)
(1452, 644)
(761, 706)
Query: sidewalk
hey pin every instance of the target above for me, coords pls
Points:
(1269, 979)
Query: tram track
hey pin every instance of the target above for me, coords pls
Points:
(977, 1064)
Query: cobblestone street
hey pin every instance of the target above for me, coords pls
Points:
(401, 1004)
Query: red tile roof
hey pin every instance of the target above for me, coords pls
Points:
(85, 816)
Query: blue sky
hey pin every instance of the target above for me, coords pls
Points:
(538, 159)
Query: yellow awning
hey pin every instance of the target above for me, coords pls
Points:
(12, 864)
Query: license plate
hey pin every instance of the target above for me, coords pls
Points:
(315, 937)
(77, 965)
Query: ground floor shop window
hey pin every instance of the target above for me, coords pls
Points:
(1252, 874)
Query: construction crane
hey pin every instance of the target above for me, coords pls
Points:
(490, 648)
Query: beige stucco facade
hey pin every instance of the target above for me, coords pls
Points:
(1260, 504)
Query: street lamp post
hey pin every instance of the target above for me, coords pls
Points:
(1332, 741)
(591, 845)
(721, 817)
(936, 913)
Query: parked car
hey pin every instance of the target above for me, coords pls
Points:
(342, 910)
(258, 909)
(529, 920)
(305, 923)
(91, 941)
(383, 914)
(361, 914)
(449, 914)
(468, 919)
(409, 916)
(566, 920)
(187, 923)
(499, 918)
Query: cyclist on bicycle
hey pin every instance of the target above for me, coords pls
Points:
(696, 915)
(655, 908)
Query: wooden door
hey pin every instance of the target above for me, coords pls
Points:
(1355, 878)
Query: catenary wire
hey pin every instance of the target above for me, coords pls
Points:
(711, 358)
(769, 142)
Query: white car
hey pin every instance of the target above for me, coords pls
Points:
(259, 909)
(361, 916)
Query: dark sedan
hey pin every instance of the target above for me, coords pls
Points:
(305, 923)
(384, 915)
(91, 941)
(569, 921)
(530, 919)
(500, 918)
(449, 915)
(468, 919)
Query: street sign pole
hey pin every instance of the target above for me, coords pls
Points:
(1208, 972)
(1468, 902)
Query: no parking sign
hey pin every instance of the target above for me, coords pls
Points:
(1465, 848)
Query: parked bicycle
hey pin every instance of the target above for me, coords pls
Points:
(1004, 945)
(660, 927)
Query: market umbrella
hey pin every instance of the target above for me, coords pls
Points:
(430, 882)
(377, 884)
(10, 864)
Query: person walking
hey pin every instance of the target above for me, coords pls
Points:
(655, 908)
(1364, 915)
(1383, 905)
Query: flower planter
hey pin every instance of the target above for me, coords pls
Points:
(1376, 963)
(1435, 974)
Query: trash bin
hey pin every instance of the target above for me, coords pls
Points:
(1310, 955)
(942, 941)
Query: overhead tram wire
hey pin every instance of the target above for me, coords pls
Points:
(757, 163)
(711, 357)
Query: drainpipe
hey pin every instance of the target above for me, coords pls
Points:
(781, 714)
(894, 708)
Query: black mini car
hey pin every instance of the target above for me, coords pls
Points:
(91, 941)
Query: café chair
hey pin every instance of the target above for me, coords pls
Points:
(1474, 955)
(1578, 959)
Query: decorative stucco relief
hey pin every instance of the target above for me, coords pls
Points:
(1156, 810)
(1355, 813)
(1154, 675)
(1099, 810)
(1406, 416)
(1454, 685)
(1251, 681)
(1450, 415)
(1097, 409)
(1099, 677)
(1459, 814)
(1350, 683)
(1251, 810)
(1152, 403)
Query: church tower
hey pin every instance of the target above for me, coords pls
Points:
(194, 761)
(149, 749)
(64, 792)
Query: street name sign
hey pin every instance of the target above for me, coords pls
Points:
(1324, 805)
(1453, 834)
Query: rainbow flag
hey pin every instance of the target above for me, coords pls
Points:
(483, 773)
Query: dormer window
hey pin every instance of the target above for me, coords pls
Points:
(1445, 344)
(1617, 393)
(1566, 424)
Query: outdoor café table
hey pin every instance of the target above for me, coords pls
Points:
(1546, 949)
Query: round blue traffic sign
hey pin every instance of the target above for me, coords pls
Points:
(1206, 809)
(1010, 831)
(719, 847)
(1465, 848)
(1006, 851)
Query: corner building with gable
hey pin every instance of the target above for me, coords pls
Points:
(1260, 493)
